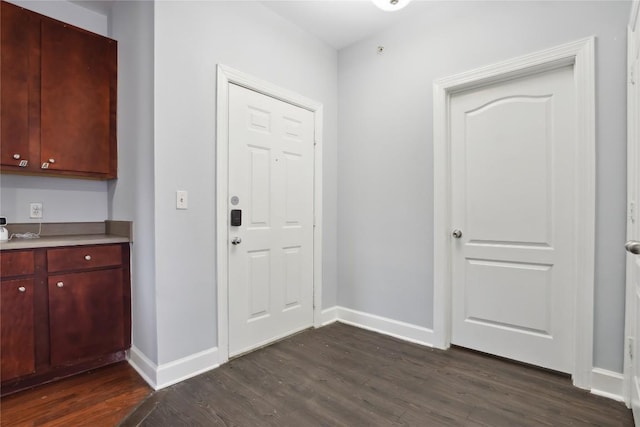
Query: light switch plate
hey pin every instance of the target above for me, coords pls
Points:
(181, 199)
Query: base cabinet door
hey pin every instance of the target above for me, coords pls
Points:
(17, 328)
(86, 312)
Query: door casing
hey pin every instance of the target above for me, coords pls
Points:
(581, 56)
(225, 76)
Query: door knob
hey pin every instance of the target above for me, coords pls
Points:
(633, 246)
(236, 241)
(457, 233)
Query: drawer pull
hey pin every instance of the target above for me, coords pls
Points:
(87, 257)
(52, 161)
(16, 156)
(22, 289)
(60, 284)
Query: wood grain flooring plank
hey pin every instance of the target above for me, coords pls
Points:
(102, 397)
(339, 375)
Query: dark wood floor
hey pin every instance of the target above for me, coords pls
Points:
(102, 397)
(343, 376)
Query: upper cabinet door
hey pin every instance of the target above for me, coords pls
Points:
(14, 96)
(78, 101)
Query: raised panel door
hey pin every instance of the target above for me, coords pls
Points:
(513, 149)
(633, 220)
(17, 334)
(271, 165)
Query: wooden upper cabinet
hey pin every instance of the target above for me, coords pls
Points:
(14, 96)
(59, 90)
(78, 100)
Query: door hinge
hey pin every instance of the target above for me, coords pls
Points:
(632, 212)
(630, 347)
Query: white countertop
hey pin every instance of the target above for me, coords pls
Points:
(53, 241)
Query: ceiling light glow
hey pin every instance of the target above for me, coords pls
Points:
(391, 5)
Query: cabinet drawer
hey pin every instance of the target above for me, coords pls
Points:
(16, 263)
(83, 257)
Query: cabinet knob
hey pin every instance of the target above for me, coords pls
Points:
(22, 289)
(52, 160)
(87, 257)
(16, 156)
(60, 284)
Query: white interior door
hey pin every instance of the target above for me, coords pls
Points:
(271, 168)
(633, 226)
(513, 182)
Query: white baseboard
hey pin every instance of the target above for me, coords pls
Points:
(145, 367)
(404, 331)
(167, 374)
(329, 315)
(187, 367)
(603, 382)
(607, 384)
(171, 373)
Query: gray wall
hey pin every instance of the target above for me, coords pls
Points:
(385, 161)
(131, 196)
(63, 199)
(191, 38)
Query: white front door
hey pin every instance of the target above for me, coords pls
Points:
(633, 220)
(271, 173)
(513, 148)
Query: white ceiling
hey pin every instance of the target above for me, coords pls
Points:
(101, 6)
(337, 22)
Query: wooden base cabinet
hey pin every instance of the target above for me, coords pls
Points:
(17, 314)
(86, 315)
(17, 328)
(63, 311)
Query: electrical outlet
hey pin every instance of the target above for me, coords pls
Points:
(181, 199)
(35, 210)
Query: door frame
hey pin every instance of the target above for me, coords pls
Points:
(227, 76)
(633, 127)
(581, 55)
